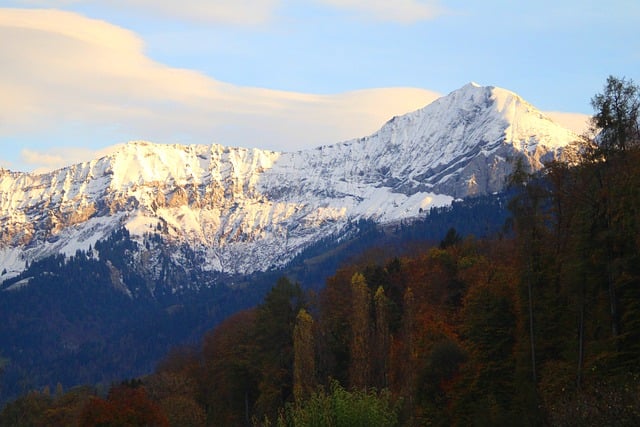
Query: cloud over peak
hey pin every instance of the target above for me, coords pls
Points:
(400, 11)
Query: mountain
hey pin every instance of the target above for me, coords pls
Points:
(236, 211)
(106, 265)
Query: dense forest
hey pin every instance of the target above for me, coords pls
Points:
(536, 325)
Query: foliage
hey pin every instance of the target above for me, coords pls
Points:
(617, 115)
(126, 405)
(341, 408)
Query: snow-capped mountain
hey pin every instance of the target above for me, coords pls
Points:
(243, 210)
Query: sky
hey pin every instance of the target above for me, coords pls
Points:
(80, 76)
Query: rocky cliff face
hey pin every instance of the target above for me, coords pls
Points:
(242, 210)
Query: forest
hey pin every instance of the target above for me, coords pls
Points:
(535, 325)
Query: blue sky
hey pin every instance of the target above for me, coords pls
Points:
(79, 76)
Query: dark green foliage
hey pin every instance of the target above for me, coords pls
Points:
(275, 322)
(617, 115)
(452, 238)
(489, 328)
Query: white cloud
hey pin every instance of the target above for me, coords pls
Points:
(238, 12)
(62, 70)
(46, 160)
(579, 123)
(58, 157)
(235, 12)
(252, 12)
(402, 11)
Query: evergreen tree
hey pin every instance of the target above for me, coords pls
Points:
(304, 366)
(359, 369)
(275, 321)
(382, 338)
(617, 115)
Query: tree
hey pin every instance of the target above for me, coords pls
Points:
(126, 404)
(275, 321)
(527, 208)
(489, 322)
(617, 122)
(617, 114)
(452, 238)
(28, 410)
(304, 366)
(342, 408)
(231, 374)
(359, 368)
(382, 338)
(175, 393)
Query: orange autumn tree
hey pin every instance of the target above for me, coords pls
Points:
(126, 404)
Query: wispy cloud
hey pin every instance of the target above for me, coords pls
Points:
(63, 70)
(579, 123)
(401, 11)
(57, 157)
(253, 12)
(234, 12)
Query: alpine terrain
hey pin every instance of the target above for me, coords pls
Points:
(237, 210)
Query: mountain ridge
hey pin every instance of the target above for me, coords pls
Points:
(243, 210)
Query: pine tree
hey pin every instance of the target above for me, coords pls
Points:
(359, 368)
(304, 366)
(382, 338)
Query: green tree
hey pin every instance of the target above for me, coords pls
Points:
(275, 321)
(489, 328)
(527, 208)
(450, 239)
(341, 408)
(609, 177)
(616, 118)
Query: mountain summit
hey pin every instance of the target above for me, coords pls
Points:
(238, 210)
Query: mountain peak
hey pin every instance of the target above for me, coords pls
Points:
(473, 92)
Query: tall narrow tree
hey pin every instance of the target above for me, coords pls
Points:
(382, 338)
(359, 367)
(304, 366)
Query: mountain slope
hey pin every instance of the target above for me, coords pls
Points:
(243, 210)
(454, 146)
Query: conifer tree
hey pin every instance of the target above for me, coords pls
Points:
(382, 338)
(304, 365)
(359, 369)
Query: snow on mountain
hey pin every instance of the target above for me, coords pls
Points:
(244, 210)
